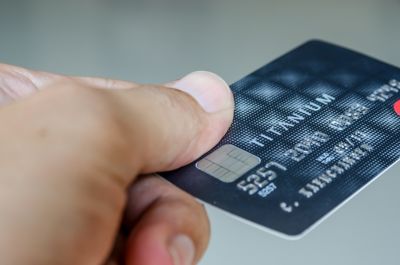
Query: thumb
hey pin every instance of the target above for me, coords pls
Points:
(148, 128)
(180, 127)
(70, 152)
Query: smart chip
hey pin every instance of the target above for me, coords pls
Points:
(310, 130)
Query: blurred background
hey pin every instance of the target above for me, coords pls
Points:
(158, 40)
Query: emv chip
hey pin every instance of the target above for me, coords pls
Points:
(324, 121)
(228, 163)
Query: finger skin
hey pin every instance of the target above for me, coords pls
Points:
(158, 211)
(17, 82)
(164, 131)
(173, 124)
(69, 153)
(61, 194)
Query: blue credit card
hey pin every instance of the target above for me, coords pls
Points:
(310, 130)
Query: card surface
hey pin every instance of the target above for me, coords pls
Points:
(310, 130)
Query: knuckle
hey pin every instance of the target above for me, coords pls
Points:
(14, 83)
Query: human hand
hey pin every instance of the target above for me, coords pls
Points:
(71, 153)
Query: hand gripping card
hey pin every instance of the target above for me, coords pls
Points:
(310, 130)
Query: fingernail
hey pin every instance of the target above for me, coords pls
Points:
(209, 90)
(182, 250)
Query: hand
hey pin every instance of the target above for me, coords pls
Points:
(73, 152)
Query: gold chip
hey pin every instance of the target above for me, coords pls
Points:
(228, 163)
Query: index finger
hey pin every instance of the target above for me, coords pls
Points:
(17, 82)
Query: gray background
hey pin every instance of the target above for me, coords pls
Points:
(153, 41)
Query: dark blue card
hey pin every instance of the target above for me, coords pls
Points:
(311, 129)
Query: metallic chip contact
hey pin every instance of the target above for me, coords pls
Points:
(325, 122)
(228, 163)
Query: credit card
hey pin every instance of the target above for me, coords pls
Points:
(310, 130)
